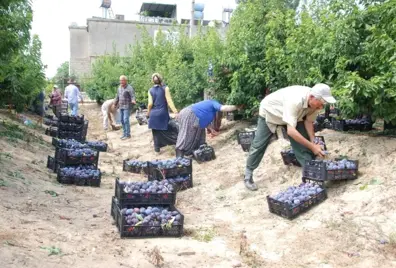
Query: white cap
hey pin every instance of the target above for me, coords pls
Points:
(55, 86)
(323, 91)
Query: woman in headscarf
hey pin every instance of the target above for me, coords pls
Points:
(56, 101)
(192, 123)
(159, 98)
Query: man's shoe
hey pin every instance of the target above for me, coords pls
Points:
(249, 183)
(157, 150)
(123, 137)
(127, 137)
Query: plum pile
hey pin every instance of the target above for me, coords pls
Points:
(317, 140)
(87, 152)
(80, 172)
(151, 216)
(296, 195)
(99, 145)
(136, 163)
(171, 163)
(246, 137)
(153, 187)
(70, 144)
(341, 164)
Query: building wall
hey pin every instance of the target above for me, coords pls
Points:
(102, 36)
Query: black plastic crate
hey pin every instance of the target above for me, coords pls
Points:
(317, 170)
(73, 144)
(291, 211)
(66, 118)
(143, 198)
(289, 158)
(50, 122)
(97, 145)
(72, 127)
(204, 153)
(69, 157)
(60, 164)
(93, 181)
(245, 139)
(144, 230)
(51, 163)
(52, 131)
(173, 168)
(141, 117)
(182, 182)
(128, 167)
(354, 125)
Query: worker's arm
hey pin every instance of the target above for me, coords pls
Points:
(228, 108)
(170, 101)
(117, 98)
(150, 104)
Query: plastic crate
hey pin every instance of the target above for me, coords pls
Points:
(156, 173)
(51, 163)
(50, 122)
(72, 127)
(182, 184)
(142, 198)
(343, 125)
(316, 170)
(141, 117)
(134, 169)
(66, 118)
(289, 158)
(245, 139)
(102, 147)
(52, 131)
(205, 153)
(292, 211)
(60, 164)
(65, 155)
(146, 231)
(88, 181)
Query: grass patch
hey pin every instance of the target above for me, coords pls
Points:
(203, 234)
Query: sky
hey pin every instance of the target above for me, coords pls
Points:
(51, 19)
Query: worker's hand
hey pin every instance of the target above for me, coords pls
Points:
(133, 102)
(240, 107)
(147, 115)
(176, 115)
(317, 150)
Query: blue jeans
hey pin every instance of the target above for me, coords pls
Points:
(126, 127)
(74, 108)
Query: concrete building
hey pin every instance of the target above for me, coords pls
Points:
(102, 35)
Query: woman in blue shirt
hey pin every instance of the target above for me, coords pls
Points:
(192, 123)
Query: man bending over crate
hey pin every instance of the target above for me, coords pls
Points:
(295, 107)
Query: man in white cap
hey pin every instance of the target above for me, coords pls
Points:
(295, 107)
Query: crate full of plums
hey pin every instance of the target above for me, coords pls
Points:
(79, 175)
(135, 166)
(329, 170)
(161, 169)
(359, 124)
(68, 143)
(149, 192)
(139, 221)
(141, 117)
(77, 156)
(182, 182)
(204, 153)
(66, 118)
(97, 145)
(296, 200)
(51, 131)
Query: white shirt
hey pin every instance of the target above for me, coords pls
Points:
(287, 106)
(72, 93)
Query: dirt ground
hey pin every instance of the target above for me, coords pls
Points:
(354, 227)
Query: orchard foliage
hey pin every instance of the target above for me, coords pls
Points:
(21, 71)
(272, 44)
